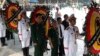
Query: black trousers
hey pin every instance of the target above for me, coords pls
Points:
(3, 41)
(61, 48)
(31, 41)
(9, 35)
(54, 51)
(25, 51)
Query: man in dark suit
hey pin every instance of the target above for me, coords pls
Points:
(65, 22)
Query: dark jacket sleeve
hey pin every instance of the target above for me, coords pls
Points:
(50, 33)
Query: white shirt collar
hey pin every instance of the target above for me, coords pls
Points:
(71, 27)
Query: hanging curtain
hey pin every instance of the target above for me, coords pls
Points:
(9, 1)
(33, 1)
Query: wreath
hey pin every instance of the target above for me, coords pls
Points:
(44, 10)
(12, 16)
(93, 30)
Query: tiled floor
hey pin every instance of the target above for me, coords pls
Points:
(15, 49)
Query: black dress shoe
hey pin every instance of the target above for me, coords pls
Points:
(29, 55)
(47, 49)
(4, 44)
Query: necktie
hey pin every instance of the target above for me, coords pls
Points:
(61, 32)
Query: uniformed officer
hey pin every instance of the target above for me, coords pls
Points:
(2, 30)
(24, 34)
(38, 35)
(53, 38)
(70, 35)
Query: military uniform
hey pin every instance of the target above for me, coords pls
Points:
(24, 35)
(70, 45)
(53, 34)
(38, 37)
(2, 30)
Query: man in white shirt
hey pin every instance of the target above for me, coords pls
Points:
(60, 31)
(57, 14)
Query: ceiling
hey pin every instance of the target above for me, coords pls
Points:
(60, 3)
(52, 1)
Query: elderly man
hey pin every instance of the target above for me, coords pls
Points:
(53, 38)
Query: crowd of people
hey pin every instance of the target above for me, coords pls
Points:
(62, 35)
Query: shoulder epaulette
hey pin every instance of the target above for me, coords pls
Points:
(67, 28)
